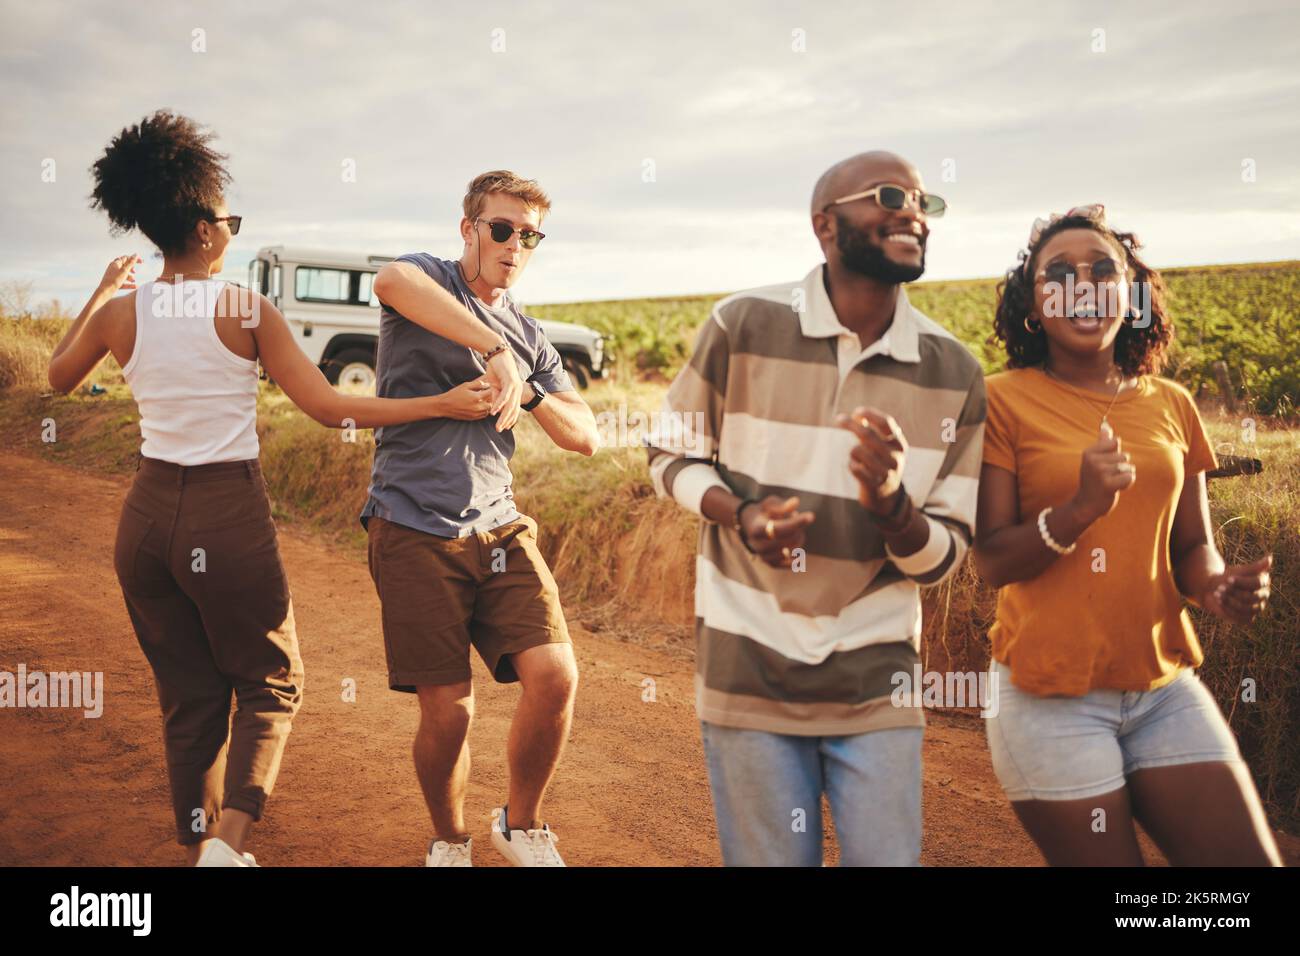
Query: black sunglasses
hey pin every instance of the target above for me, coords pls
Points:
(233, 220)
(502, 231)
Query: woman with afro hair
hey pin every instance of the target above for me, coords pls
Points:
(1094, 526)
(196, 551)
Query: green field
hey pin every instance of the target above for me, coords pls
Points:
(1248, 315)
(624, 558)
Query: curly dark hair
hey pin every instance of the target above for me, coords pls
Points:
(1137, 351)
(161, 177)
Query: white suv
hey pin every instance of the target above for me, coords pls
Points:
(328, 300)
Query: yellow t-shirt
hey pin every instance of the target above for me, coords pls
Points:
(1109, 614)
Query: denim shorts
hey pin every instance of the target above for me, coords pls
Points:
(1069, 748)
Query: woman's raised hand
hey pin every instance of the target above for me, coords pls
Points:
(120, 274)
(469, 401)
(1104, 472)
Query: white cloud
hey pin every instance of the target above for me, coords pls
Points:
(738, 124)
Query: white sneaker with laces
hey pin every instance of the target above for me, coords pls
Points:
(220, 853)
(442, 853)
(524, 847)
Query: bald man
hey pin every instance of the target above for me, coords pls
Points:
(836, 475)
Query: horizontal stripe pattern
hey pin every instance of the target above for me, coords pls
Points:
(817, 718)
(884, 614)
(841, 528)
(810, 651)
(927, 562)
(823, 582)
(812, 457)
(734, 664)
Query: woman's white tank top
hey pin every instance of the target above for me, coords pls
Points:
(197, 399)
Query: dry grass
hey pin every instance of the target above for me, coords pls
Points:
(625, 559)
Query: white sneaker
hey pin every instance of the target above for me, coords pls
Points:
(442, 853)
(220, 853)
(524, 847)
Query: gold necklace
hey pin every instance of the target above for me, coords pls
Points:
(1106, 414)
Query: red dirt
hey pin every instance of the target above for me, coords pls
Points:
(632, 787)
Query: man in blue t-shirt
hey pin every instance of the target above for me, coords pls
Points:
(453, 560)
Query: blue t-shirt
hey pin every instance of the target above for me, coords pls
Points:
(441, 475)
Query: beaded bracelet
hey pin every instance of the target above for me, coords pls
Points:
(1047, 535)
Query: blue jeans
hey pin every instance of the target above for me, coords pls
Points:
(767, 796)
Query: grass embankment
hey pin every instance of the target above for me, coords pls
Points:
(625, 559)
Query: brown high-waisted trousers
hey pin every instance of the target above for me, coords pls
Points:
(197, 559)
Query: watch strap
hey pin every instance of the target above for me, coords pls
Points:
(538, 395)
(739, 527)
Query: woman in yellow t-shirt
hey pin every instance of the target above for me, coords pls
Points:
(1094, 526)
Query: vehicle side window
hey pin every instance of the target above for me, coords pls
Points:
(321, 285)
(366, 291)
(338, 286)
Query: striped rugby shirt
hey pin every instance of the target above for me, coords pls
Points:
(814, 652)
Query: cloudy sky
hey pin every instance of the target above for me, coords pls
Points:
(679, 141)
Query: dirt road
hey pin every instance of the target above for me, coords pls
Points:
(631, 790)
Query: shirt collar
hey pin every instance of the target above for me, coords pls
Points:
(818, 320)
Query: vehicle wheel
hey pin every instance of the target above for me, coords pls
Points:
(353, 370)
(577, 370)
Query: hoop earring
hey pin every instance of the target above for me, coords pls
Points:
(1030, 329)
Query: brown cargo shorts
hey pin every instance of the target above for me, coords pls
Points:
(440, 595)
